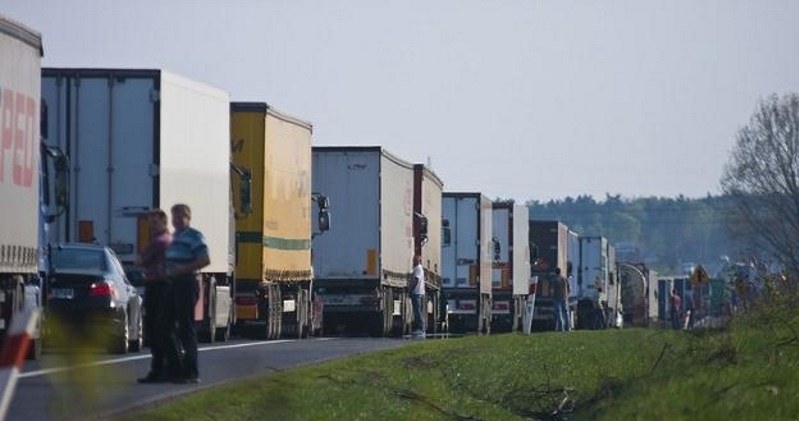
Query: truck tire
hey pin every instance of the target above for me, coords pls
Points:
(207, 333)
(34, 350)
(275, 322)
(302, 313)
(222, 334)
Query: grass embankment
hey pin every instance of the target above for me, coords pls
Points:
(750, 371)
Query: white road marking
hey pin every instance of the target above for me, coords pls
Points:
(146, 356)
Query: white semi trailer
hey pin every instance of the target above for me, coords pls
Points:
(139, 140)
(511, 265)
(361, 266)
(467, 248)
(25, 181)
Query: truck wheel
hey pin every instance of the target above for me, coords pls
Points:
(35, 349)
(119, 344)
(302, 312)
(208, 330)
(223, 333)
(135, 345)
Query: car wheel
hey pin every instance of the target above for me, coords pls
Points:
(135, 345)
(119, 344)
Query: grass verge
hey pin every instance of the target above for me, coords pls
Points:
(750, 371)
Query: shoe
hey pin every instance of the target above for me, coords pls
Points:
(152, 378)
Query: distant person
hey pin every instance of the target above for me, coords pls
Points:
(560, 297)
(690, 311)
(599, 320)
(152, 260)
(186, 255)
(675, 305)
(416, 288)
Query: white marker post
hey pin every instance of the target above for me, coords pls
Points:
(528, 315)
(12, 356)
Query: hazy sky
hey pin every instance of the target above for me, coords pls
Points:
(523, 99)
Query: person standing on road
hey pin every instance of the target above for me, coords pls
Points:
(599, 321)
(416, 288)
(186, 255)
(675, 302)
(560, 296)
(152, 260)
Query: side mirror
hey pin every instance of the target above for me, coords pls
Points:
(43, 119)
(446, 233)
(422, 228)
(323, 202)
(324, 220)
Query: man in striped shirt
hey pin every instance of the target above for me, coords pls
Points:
(185, 256)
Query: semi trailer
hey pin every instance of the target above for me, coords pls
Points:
(467, 247)
(427, 191)
(273, 241)
(511, 265)
(362, 265)
(32, 178)
(549, 245)
(140, 139)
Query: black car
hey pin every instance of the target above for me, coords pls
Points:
(88, 292)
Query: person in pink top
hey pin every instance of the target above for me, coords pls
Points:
(153, 261)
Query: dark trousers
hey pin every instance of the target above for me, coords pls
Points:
(157, 330)
(419, 317)
(599, 319)
(675, 318)
(183, 295)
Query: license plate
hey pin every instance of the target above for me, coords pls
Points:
(63, 293)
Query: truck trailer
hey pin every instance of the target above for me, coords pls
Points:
(427, 191)
(549, 245)
(273, 258)
(639, 284)
(511, 265)
(25, 187)
(593, 271)
(467, 247)
(362, 265)
(140, 139)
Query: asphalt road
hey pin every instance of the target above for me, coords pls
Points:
(71, 385)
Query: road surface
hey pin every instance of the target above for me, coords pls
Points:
(100, 385)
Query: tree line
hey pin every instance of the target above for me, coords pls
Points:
(666, 232)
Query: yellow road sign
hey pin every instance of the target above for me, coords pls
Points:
(699, 276)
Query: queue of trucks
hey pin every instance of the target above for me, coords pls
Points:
(86, 153)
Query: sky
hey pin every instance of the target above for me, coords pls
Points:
(530, 100)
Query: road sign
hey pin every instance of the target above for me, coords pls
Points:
(699, 276)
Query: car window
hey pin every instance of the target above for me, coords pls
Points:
(120, 272)
(79, 259)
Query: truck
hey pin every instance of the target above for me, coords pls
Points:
(26, 180)
(362, 265)
(597, 269)
(639, 285)
(427, 191)
(467, 248)
(511, 265)
(140, 139)
(549, 249)
(273, 242)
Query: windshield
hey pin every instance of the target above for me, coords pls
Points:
(79, 259)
